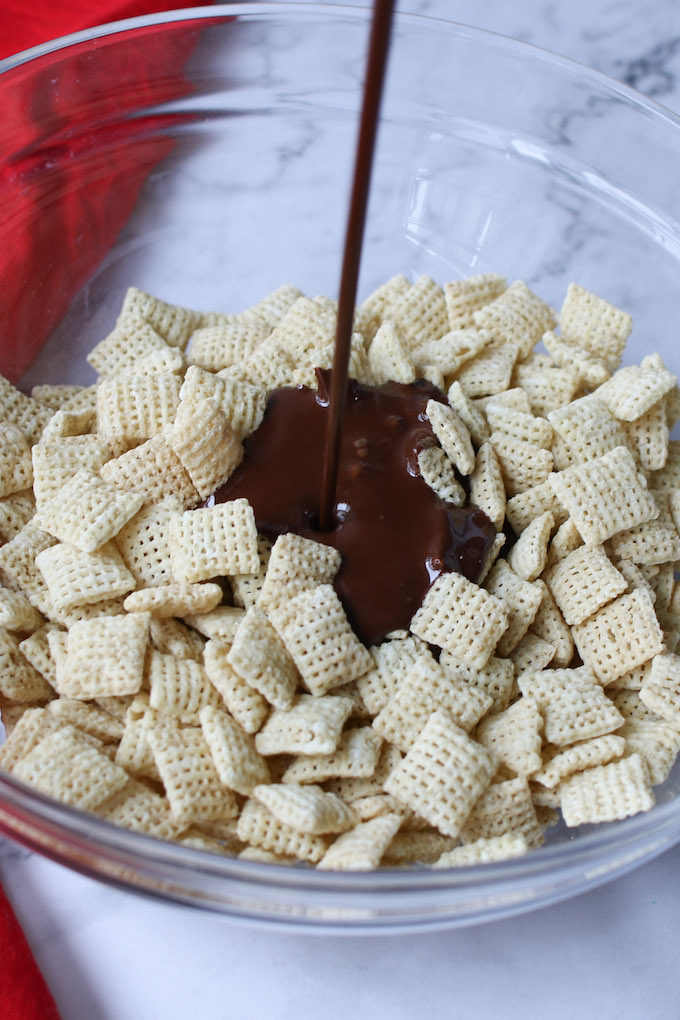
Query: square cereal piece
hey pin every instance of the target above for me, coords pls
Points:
(565, 540)
(243, 403)
(523, 508)
(19, 680)
(56, 461)
(87, 718)
(573, 704)
(661, 688)
(105, 657)
(317, 634)
(259, 656)
(632, 708)
(227, 343)
(379, 305)
(88, 512)
(221, 623)
(521, 600)
(470, 415)
(583, 582)
(423, 847)
(355, 756)
(518, 425)
(311, 726)
(547, 387)
(16, 466)
(504, 809)
(531, 654)
(605, 496)
(584, 429)
(651, 543)
(238, 764)
(620, 636)
(37, 650)
(594, 324)
(607, 793)
(134, 752)
(246, 588)
(172, 637)
(144, 543)
(274, 306)
(523, 465)
(66, 766)
(260, 828)
(27, 414)
(633, 390)
(484, 851)
(179, 687)
(658, 743)
(450, 352)
(246, 704)
(438, 472)
(17, 613)
(390, 356)
(442, 775)
(174, 599)
(513, 399)
(297, 564)
(429, 686)
(514, 736)
(153, 469)
(550, 625)
(214, 541)
(453, 435)
(306, 808)
(15, 511)
(648, 437)
(31, 727)
(206, 444)
(516, 316)
(465, 297)
(353, 788)
(420, 312)
(529, 553)
(18, 568)
(362, 848)
(174, 323)
(189, 776)
(124, 346)
(134, 408)
(393, 661)
(136, 807)
(558, 763)
(487, 489)
(77, 578)
(496, 679)
(589, 369)
(462, 618)
(55, 396)
(490, 372)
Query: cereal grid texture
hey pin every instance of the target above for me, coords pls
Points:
(131, 686)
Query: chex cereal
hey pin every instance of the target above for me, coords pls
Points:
(175, 666)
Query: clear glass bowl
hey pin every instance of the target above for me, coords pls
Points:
(204, 156)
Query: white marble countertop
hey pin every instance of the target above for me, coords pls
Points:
(610, 953)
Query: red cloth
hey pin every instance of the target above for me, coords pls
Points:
(72, 162)
(23, 992)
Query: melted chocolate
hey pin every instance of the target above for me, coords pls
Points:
(395, 535)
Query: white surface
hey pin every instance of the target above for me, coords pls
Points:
(610, 953)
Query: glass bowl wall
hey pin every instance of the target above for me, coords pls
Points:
(205, 156)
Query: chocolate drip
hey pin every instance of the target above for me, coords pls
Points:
(396, 536)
